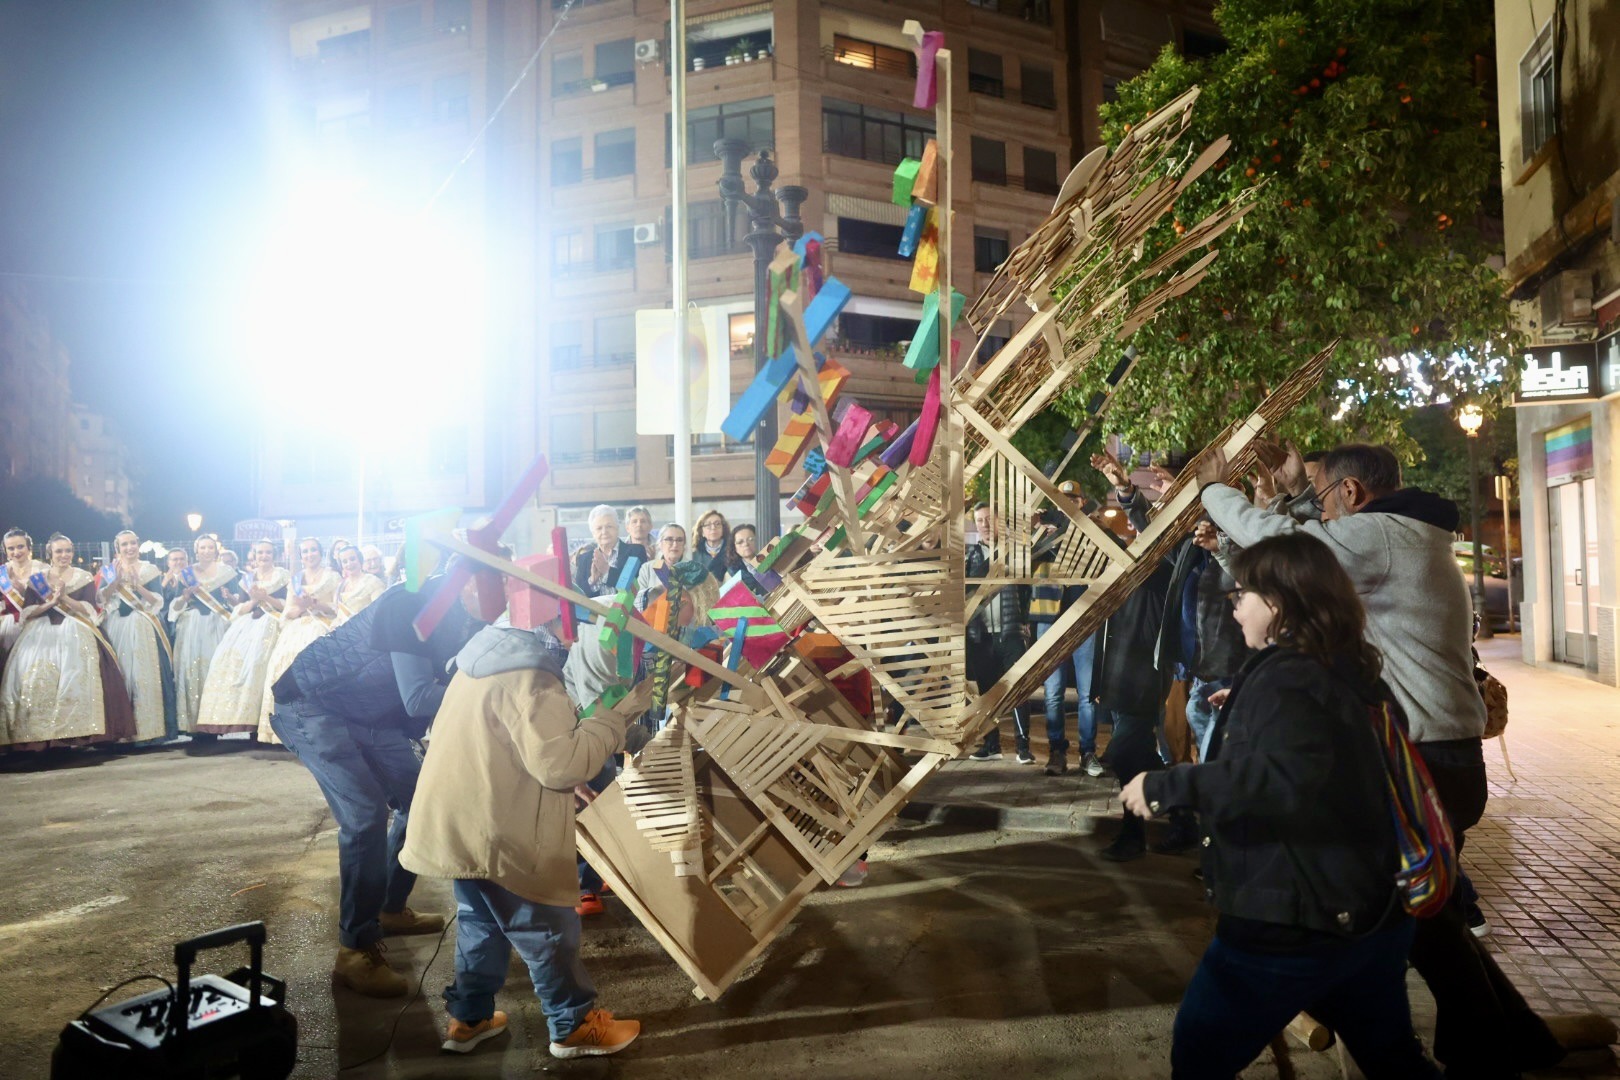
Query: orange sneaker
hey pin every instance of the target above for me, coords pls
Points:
(589, 904)
(462, 1037)
(599, 1034)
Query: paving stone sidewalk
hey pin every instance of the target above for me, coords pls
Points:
(1545, 859)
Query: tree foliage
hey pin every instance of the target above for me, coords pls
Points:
(1367, 129)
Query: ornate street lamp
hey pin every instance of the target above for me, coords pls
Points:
(193, 522)
(767, 228)
(1470, 419)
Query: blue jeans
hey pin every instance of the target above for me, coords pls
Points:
(1238, 1001)
(1200, 713)
(1086, 720)
(490, 923)
(362, 771)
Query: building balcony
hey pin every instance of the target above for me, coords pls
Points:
(596, 84)
(1035, 12)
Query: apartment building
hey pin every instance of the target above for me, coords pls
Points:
(568, 196)
(100, 471)
(35, 435)
(1559, 98)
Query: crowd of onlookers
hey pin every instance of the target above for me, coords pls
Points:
(1230, 694)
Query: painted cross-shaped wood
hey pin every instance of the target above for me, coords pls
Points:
(485, 536)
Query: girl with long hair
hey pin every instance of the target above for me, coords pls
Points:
(1299, 849)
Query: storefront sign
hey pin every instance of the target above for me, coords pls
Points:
(1558, 373)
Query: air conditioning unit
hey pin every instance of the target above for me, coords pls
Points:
(1566, 300)
(647, 51)
(647, 233)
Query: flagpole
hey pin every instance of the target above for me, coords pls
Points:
(682, 464)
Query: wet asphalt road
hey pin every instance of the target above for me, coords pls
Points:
(968, 952)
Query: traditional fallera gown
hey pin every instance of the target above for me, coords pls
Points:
(61, 683)
(135, 627)
(12, 601)
(296, 632)
(199, 627)
(355, 596)
(234, 692)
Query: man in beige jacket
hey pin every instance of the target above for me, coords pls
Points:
(494, 810)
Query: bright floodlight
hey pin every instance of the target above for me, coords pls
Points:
(193, 521)
(373, 315)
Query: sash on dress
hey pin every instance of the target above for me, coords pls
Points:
(163, 638)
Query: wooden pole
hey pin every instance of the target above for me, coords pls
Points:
(682, 464)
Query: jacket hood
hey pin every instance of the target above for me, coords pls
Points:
(495, 650)
(1419, 505)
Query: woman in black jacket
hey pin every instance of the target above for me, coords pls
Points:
(1299, 846)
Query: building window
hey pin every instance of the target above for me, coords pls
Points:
(568, 73)
(990, 249)
(567, 162)
(566, 353)
(615, 339)
(452, 16)
(403, 24)
(615, 153)
(857, 237)
(984, 73)
(1538, 93)
(706, 231)
(450, 98)
(402, 106)
(616, 62)
(615, 247)
(740, 332)
(615, 433)
(1200, 45)
(874, 331)
(880, 135)
(714, 40)
(1110, 89)
(753, 121)
(874, 57)
(1040, 171)
(1037, 88)
(568, 251)
(571, 438)
(989, 160)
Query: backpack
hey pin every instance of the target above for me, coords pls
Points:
(1428, 851)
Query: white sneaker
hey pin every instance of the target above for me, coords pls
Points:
(1093, 766)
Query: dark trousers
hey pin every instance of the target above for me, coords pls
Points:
(1483, 1026)
(1238, 1001)
(988, 660)
(363, 772)
(1133, 748)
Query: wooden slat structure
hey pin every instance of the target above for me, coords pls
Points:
(748, 800)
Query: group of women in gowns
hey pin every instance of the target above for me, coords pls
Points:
(134, 654)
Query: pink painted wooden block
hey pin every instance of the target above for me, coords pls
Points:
(850, 435)
(928, 422)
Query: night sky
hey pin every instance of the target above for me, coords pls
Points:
(134, 145)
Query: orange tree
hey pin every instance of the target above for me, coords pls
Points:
(1368, 128)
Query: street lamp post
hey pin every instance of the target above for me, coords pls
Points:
(1470, 419)
(766, 229)
(194, 522)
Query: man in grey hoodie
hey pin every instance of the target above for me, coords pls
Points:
(1395, 543)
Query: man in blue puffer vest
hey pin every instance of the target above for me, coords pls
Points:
(350, 706)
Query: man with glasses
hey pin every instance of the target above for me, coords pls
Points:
(1395, 542)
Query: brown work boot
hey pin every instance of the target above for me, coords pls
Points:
(366, 971)
(409, 922)
(599, 1034)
